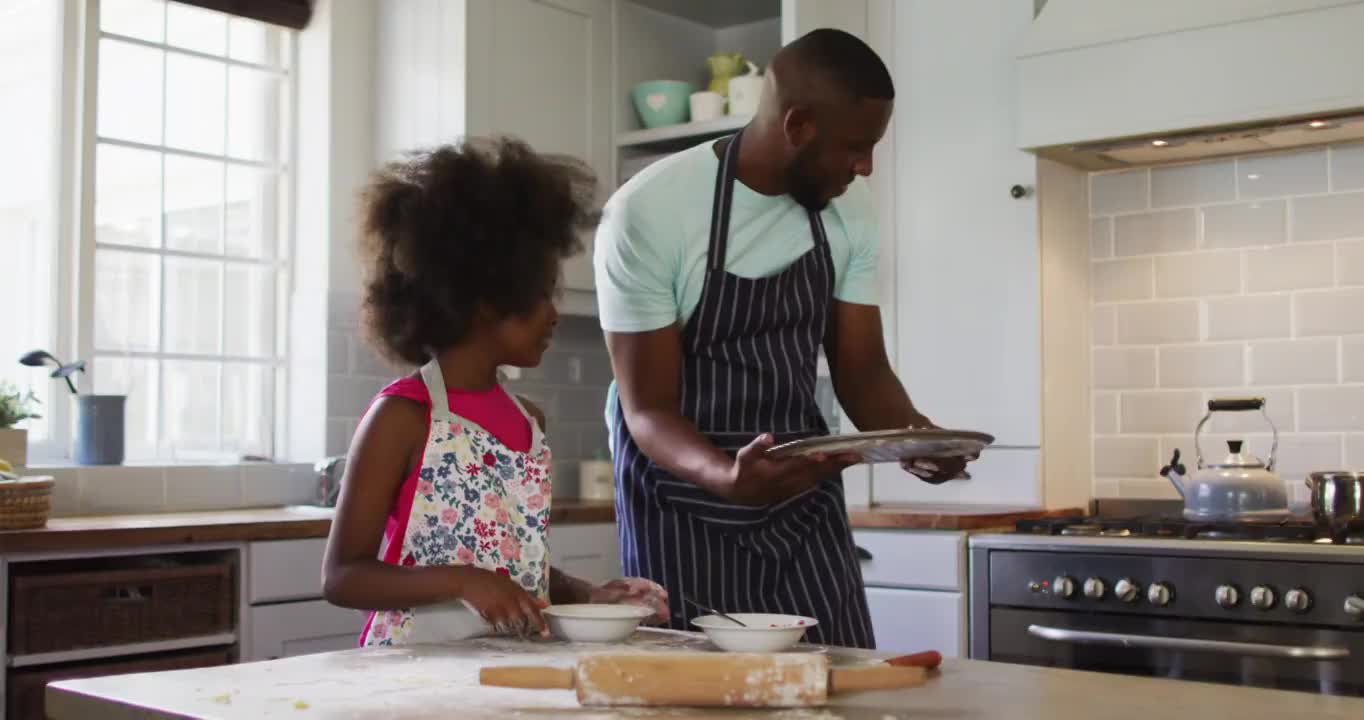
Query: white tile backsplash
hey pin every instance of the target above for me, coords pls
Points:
(1347, 167)
(1352, 359)
(1270, 304)
(1249, 317)
(1199, 366)
(1104, 325)
(1294, 362)
(1163, 411)
(1197, 274)
(1354, 452)
(1350, 262)
(1329, 312)
(267, 485)
(66, 490)
(1328, 217)
(1193, 184)
(1290, 267)
(1327, 409)
(1160, 231)
(1105, 413)
(121, 490)
(1122, 280)
(1101, 238)
(1125, 457)
(1245, 225)
(1279, 174)
(1118, 192)
(204, 488)
(1119, 368)
(1158, 322)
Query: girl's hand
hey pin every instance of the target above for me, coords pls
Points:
(503, 603)
(634, 591)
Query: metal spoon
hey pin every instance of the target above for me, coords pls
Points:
(713, 611)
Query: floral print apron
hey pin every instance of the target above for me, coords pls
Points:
(476, 502)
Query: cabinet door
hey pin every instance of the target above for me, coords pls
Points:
(907, 621)
(540, 70)
(301, 628)
(591, 552)
(967, 265)
(285, 570)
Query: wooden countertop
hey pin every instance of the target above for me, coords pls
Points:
(98, 532)
(441, 681)
(68, 534)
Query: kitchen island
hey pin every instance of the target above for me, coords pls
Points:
(434, 681)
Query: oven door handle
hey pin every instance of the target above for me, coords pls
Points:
(1222, 647)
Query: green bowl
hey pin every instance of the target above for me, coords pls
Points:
(662, 102)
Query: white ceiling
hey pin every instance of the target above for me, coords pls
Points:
(717, 13)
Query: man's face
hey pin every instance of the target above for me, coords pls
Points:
(839, 148)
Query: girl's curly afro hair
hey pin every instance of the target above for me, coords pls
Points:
(447, 231)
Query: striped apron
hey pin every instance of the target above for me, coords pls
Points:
(749, 364)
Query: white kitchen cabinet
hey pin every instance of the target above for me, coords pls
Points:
(589, 551)
(908, 621)
(284, 570)
(301, 628)
(968, 252)
(916, 589)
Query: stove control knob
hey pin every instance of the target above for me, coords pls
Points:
(1158, 594)
(1354, 606)
(1094, 588)
(1126, 590)
(1262, 597)
(1063, 587)
(1227, 596)
(1297, 600)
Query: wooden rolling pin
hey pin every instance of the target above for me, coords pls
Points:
(704, 679)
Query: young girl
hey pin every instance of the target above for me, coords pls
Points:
(446, 492)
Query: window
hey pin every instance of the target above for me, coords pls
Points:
(180, 271)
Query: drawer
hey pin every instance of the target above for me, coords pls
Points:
(69, 605)
(908, 621)
(27, 688)
(302, 628)
(285, 570)
(925, 559)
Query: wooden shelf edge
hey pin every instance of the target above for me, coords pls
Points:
(681, 131)
(99, 653)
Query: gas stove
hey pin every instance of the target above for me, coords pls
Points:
(1289, 530)
(1267, 604)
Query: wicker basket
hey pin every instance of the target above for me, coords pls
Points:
(25, 503)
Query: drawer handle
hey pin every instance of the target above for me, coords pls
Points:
(863, 554)
(126, 594)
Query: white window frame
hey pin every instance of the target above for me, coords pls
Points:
(74, 256)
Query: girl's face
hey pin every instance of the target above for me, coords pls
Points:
(524, 338)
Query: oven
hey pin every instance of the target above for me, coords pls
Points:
(1063, 606)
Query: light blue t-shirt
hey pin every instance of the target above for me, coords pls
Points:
(651, 247)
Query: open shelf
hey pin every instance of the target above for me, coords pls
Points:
(682, 131)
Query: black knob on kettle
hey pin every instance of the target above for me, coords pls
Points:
(1235, 446)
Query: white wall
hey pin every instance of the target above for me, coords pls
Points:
(1239, 276)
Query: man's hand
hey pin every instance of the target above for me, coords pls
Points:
(935, 470)
(634, 591)
(757, 480)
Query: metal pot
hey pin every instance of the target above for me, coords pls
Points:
(1337, 499)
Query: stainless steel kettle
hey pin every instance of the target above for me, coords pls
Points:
(1238, 486)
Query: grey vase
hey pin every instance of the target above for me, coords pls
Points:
(99, 429)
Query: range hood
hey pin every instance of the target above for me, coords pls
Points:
(1114, 83)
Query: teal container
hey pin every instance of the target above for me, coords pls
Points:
(662, 102)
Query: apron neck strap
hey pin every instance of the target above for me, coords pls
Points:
(435, 387)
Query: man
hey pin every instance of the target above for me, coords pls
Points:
(721, 271)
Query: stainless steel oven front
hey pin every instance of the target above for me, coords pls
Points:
(1214, 619)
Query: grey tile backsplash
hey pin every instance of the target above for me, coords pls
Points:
(1235, 276)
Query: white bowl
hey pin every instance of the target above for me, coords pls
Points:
(764, 632)
(594, 623)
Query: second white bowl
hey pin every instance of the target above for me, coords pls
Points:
(764, 632)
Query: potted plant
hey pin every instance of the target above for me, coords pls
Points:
(99, 418)
(16, 406)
